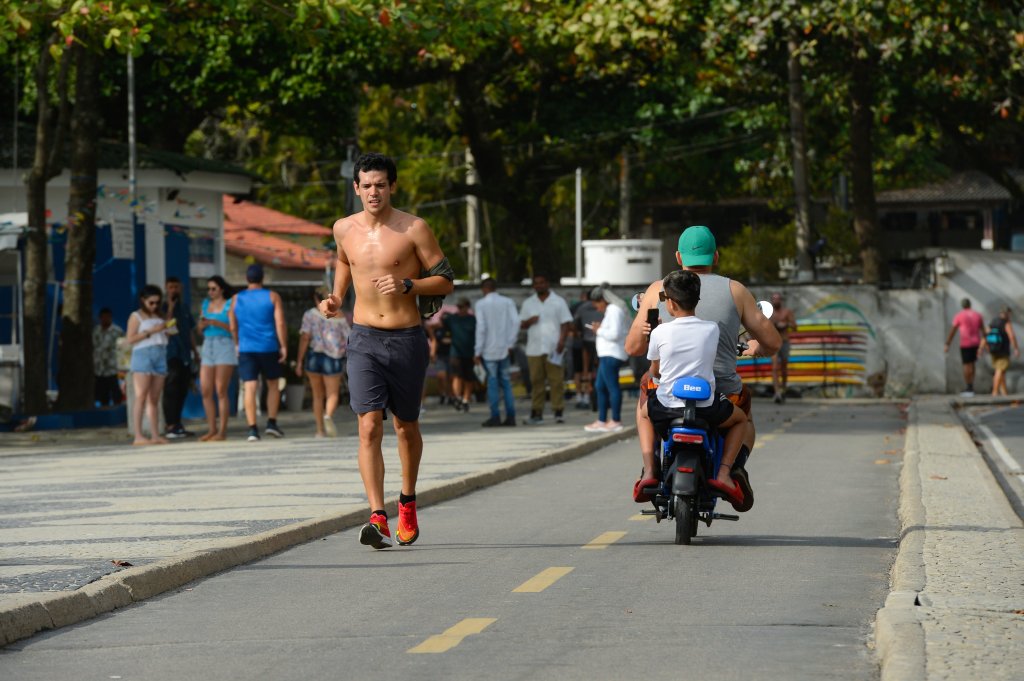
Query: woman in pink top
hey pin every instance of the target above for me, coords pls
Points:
(971, 327)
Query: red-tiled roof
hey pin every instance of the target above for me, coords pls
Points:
(249, 231)
(275, 251)
(247, 215)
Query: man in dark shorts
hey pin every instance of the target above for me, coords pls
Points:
(389, 257)
(462, 327)
(257, 321)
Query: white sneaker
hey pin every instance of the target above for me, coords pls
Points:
(613, 427)
(967, 393)
(597, 427)
(329, 427)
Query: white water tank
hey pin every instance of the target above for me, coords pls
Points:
(621, 261)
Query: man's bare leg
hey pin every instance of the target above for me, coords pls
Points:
(645, 433)
(371, 460)
(250, 402)
(410, 451)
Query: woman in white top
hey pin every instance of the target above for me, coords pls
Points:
(147, 333)
(611, 355)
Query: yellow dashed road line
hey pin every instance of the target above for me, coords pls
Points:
(542, 581)
(641, 516)
(454, 635)
(604, 540)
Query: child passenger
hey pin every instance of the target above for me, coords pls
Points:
(685, 347)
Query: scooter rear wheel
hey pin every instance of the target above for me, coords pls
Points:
(686, 518)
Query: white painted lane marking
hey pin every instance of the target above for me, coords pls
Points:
(1000, 449)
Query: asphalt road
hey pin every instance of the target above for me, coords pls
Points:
(550, 576)
(999, 429)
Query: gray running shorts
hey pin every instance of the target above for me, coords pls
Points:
(387, 369)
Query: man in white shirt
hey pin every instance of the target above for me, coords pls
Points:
(546, 318)
(497, 329)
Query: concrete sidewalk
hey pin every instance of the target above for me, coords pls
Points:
(957, 600)
(73, 503)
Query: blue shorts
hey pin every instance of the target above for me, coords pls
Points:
(218, 351)
(319, 363)
(387, 369)
(252, 364)
(151, 359)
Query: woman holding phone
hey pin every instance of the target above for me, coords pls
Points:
(147, 333)
(218, 357)
(611, 355)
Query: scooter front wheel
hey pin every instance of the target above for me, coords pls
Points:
(686, 518)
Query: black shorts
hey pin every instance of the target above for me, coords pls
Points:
(462, 367)
(252, 364)
(716, 413)
(969, 355)
(386, 369)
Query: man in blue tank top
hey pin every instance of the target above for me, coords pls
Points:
(731, 305)
(257, 320)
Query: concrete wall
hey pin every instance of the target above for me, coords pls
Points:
(907, 327)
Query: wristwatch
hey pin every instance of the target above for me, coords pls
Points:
(407, 283)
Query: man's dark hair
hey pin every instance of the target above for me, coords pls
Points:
(683, 287)
(106, 310)
(172, 280)
(374, 161)
(489, 285)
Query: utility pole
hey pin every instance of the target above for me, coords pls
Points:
(579, 226)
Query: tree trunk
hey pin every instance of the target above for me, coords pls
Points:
(46, 165)
(798, 141)
(865, 214)
(76, 378)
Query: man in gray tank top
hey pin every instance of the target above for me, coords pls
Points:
(731, 305)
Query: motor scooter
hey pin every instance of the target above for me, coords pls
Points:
(689, 457)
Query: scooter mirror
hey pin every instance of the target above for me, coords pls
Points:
(767, 309)
(637, 297)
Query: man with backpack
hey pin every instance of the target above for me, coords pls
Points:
(1000, 338)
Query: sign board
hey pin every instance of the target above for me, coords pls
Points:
(122, 238)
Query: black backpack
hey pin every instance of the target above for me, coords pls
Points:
(998, 341)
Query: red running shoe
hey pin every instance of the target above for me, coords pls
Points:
(408, 528)
(376, 533)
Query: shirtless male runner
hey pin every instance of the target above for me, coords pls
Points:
(390, 257)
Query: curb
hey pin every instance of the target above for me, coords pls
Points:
(899, 633)
(40, 612)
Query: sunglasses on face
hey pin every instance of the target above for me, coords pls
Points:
(152, 303)
(212, 288)
(662, 297)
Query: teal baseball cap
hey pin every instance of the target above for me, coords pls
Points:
(697, 246)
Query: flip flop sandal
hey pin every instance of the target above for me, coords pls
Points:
(639, 496)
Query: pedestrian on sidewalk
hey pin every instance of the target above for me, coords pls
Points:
(322, 356)
(147, 333)
(182, 357)
(497, 329)
(971, 327)
(584, 350)
(389, 257)
(107, 390)
(218, 356)
(257, 321)
(610, 334)
(440, 343)
(1000, 338)
(462, 328)
(546, 318)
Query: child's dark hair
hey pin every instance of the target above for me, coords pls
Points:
(683, 287)
(373, 161)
